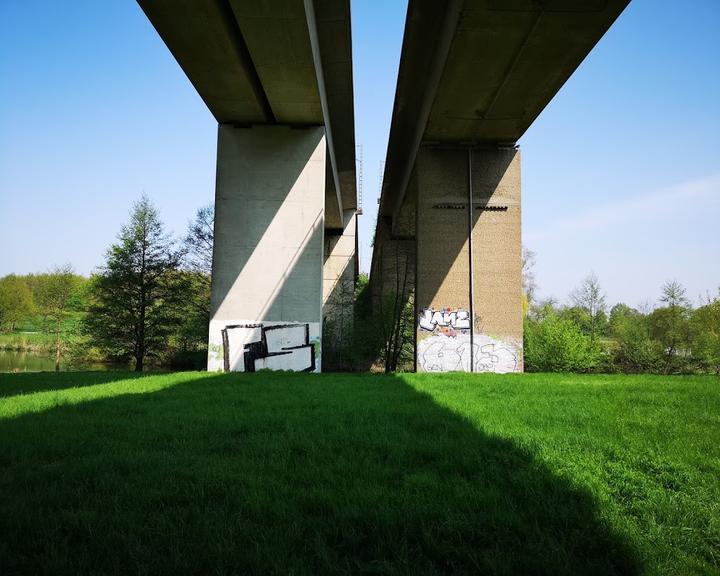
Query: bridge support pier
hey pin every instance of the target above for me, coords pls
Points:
(469, 278)
(267, 281)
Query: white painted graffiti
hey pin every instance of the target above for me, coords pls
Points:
(251, 346)
(454, 319)
(276, 347)
(443, 353)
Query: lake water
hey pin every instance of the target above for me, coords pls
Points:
(24, 362)
(28, 362)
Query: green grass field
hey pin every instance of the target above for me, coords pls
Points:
(407, 474)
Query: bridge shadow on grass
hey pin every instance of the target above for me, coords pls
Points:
(31, 382)
(278, 473)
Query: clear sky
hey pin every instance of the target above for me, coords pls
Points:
(621, 172)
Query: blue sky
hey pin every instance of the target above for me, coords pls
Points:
(621, 172)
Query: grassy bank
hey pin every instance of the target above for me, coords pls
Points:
(281, 473)
(31, 335)
(35, 342)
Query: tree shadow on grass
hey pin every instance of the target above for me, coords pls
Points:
(278, 473)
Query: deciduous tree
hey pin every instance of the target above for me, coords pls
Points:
(528, 278)
(589, 296)
(54, 295)
(199, 241)
(705, 335)
(192, 334)
(16, 302)
(669, 325)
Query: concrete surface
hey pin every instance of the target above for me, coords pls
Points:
(268, 257)
(481, 71)
(272, 62)
(443, 264)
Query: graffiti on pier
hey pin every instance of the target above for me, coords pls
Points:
(448, 321)
(443, 345)
(442, 353)
(249, 347)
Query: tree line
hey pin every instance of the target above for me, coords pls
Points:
(50, 303)
(586, 335)
(148, 302)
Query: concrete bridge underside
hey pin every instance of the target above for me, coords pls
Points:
(277, 76)
(474, 75)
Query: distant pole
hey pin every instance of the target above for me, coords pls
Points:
(470, 260)
(359, 163)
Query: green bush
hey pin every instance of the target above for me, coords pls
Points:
(705, 337)
(670, 329)
(635, 351)
(554, 344)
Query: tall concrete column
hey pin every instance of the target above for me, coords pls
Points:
(267, 282)
(469, 308)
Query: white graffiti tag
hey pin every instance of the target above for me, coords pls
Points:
(447, 318)
(441, 353)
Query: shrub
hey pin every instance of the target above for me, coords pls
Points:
(670, 328)
(554, 344)
(705, 337)
(635, 350)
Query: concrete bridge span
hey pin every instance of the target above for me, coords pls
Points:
(277, 76)
(474, 75)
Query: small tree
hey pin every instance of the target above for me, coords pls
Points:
(589, 297)
(16, 302)
(705, 336)
(192, 334)
(669, 325)
(634, 349)
(338, 325)
(620, 314)
(365, 344)
(541, 309)
(199, 241)
(528, 278)
(396, 316)
(135, 297)
(54, 295)
(577, 315)
(673, 294)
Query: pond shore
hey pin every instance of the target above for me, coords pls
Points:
(35, 342)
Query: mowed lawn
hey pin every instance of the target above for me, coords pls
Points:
(110, 473)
